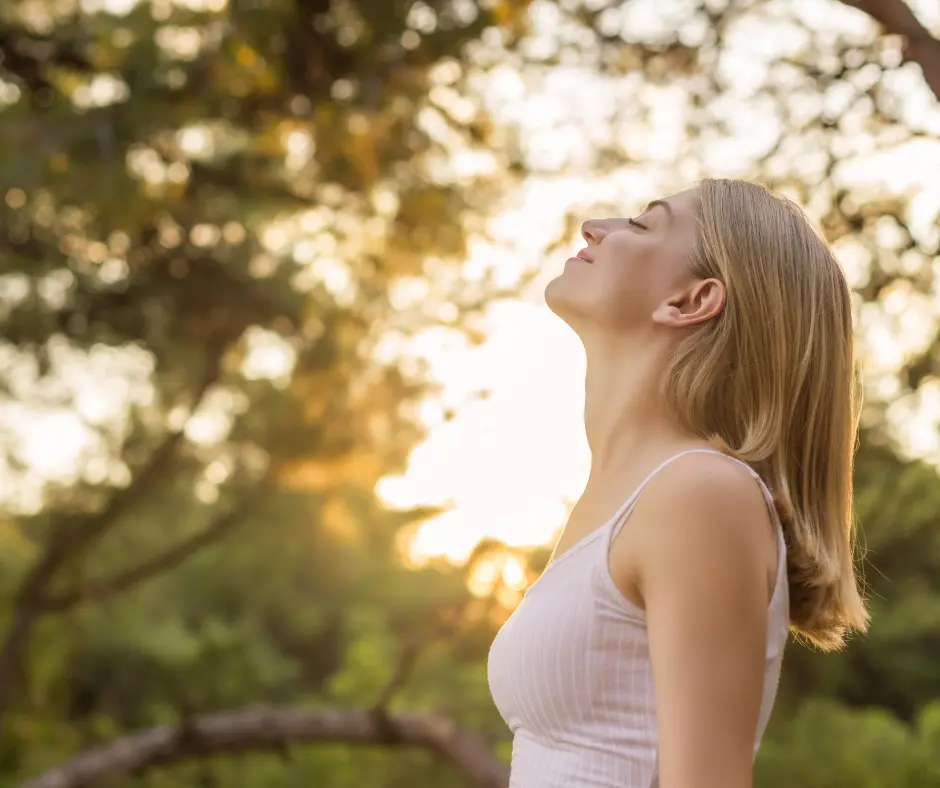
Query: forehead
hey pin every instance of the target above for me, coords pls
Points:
(683, 204)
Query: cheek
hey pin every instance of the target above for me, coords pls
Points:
(626, 271)
(628, 285)
(620, 298)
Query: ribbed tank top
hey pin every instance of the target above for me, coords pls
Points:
(570, 670)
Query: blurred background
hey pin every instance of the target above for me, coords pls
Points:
(285, 427)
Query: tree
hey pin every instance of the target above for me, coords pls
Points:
(236, 212)
(224, 207)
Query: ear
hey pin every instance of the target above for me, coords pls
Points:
(698, 303)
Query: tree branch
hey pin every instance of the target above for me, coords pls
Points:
(448, 624)
(74, 534)
(400, 675)
(920, 46)
(96, 590)
(275, 729)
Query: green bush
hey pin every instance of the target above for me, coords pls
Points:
(827, 745)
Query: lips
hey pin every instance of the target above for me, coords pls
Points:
(583, 255)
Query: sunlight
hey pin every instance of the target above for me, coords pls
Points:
(510, 467)
(502, 569)
(52, 443)
(267, 356)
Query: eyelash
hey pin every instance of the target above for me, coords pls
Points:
(635, 223)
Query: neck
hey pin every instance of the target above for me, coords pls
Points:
(624, 415)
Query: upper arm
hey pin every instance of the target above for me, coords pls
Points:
(702, 574)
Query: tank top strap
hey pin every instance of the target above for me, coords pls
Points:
(622, 515)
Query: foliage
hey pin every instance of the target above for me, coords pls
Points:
(827, 745)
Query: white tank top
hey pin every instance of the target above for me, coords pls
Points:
(570, 670)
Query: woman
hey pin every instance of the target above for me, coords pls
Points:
(720, 384)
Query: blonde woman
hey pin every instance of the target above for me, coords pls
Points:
(720, 410)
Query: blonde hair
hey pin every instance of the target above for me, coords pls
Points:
(772, 381)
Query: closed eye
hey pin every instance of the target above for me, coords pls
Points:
(635, 223)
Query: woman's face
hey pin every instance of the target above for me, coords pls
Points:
(629, 270)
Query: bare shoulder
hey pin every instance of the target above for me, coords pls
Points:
(706, 483)
(701, 518)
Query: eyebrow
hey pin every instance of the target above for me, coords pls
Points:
(661, 203)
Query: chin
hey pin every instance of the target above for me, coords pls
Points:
(558, 299)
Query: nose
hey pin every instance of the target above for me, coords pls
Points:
(594, 230)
